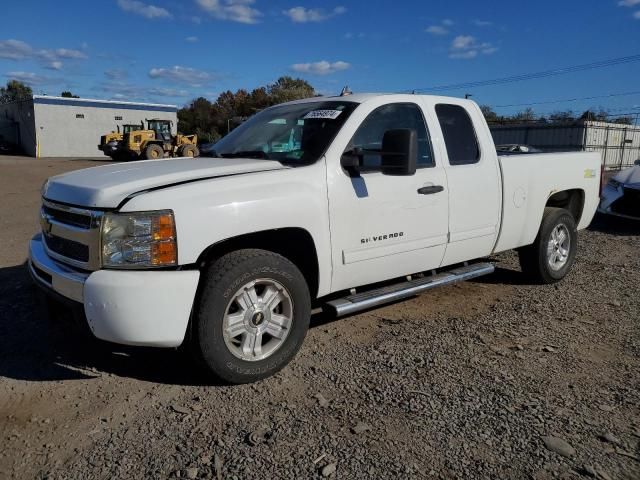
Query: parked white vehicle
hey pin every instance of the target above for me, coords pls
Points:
(621, 195)
(307, 203)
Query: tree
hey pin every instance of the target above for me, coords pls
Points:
(563, 117)
(286, 89)
(68, 94)
(489, 114)
(592, 115)
(197, 117)
(212, 120)
(15, 91)
(624, 120)
(527, 115)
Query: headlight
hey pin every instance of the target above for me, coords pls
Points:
(139, 239)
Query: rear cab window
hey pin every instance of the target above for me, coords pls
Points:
(459, 134)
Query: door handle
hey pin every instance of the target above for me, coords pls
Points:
(430, 190)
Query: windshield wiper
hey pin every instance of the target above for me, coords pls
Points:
(246, 153)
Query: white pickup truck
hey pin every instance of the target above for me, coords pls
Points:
(308, 203)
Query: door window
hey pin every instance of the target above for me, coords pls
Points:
(369, 135)
(459, 134)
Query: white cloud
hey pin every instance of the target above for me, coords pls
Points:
(437, 30)
(183, 75)
(121, 90)
(31, 78)
(116, 74)
(144, 9)
(168, 92)
(631, 4)
(467, 47)
(305, 15)
(191, 39)
(448, 22)
(69, 53)
(462, 42)
(50, 58)
(54, 65)
(482, 23)
(320, 68)
(15, 49)
(240, 11)
(351, 35)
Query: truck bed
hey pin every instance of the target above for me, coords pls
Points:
(530, 180)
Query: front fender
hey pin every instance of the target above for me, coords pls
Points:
(211, 211)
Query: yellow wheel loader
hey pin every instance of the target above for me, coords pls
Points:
(111, 143)
(158, 142)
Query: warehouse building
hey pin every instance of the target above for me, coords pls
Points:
(71, 127)
(618, 144)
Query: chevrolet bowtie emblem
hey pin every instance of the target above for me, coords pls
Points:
(45, 223)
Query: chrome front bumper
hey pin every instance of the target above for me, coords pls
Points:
(150, 308)
(53, 275)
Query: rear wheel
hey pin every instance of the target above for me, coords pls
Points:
(153, 152)
(252, 316)
(189, 151)
(551, 256)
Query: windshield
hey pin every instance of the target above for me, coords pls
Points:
(298, 134)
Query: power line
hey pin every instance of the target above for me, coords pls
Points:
(622, 94)
(531, 76)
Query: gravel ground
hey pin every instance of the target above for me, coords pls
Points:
(489, 379)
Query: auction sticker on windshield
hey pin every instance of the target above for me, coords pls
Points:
(323, 114)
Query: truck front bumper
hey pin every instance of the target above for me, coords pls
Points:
(146, 308)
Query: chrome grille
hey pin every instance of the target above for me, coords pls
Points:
(67, 248)
(70, 218)
(71, 235)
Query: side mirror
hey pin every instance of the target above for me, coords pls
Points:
(350, 161)
(637, 162)
(399, 152)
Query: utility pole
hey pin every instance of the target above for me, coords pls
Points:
(467, 96)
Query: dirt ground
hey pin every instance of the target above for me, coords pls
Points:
(489, 379)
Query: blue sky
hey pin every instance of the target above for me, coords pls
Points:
(170, 51)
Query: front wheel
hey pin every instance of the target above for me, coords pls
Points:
(252, 316)
(551, 256)
(189, 151)
(153, 152)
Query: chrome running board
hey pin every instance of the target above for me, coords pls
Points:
(380, 296)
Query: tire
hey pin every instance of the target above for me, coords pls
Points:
(189, 151)
(153, 152)
(546, 262)
(226, 302)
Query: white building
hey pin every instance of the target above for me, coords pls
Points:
(71, 127)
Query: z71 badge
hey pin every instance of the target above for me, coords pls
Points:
(380, 238)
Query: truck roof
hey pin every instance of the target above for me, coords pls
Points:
(398, 97)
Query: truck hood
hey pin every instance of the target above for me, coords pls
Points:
(629, 177)
(107, 186)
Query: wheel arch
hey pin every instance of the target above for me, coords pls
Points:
(293, 243)
(571, 200)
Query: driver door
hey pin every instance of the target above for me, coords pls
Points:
(385, 226)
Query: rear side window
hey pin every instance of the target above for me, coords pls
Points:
(459, 134)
